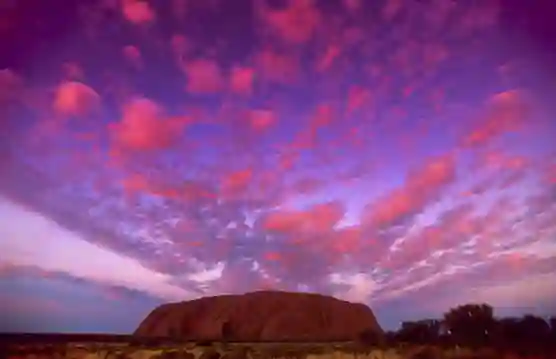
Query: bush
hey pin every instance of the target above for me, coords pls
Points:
(209, 353)
(426, 352)
(237, 353)
(371, 338)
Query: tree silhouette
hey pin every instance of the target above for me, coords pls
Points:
(474, 325)
(507, 332)
(370, 337)
(534, 330)
(552, 322)
(422, 331)
(470, 324)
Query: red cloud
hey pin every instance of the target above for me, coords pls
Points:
(397, 204)
(278, 67)
(307, 185)
(241, 80)
(143, 127)
(296, 24)
(328, 58)
(323, 116)
(317, 219)
(346, 240)
(420, 186)
(133, 55)
(10, 86)
(75, 99)
(261, 120)
(505, 111)
(138, 12)
(203, 77)
(437, 172)
(237, 183)
(358, 98)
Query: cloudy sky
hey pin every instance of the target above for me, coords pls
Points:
(395, 153)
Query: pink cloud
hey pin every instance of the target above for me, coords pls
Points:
(236, 183)
(358, 98)
(307, 185)
(316, 219)
(420, 186)
(288, 162)
(278, 67)
(241, 80)
(328, 58)
(144, 126)
(133, 55)
(138, 12)
(295, 24)
(261, 120)
(11, 86)
(203, 77)
(504, 111)
(74, 98)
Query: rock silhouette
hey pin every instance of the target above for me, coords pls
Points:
(261, 316)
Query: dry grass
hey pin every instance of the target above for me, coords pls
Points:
(250, 351)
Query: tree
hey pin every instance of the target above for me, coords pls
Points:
(522, 333)
(470, 324)
(390, 338)
(552, 322)
(370, 337)
(534, 330)
(507, 332)
(419, 332)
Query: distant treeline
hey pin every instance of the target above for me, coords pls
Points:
(475, 326)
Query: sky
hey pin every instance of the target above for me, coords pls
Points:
(395, 153)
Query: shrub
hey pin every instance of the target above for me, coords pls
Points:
(426, 352)
(240, 352)
(210, 353)
(370, 337)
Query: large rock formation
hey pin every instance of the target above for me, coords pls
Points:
(261, 316)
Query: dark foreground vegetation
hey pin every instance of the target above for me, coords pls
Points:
(475, 326)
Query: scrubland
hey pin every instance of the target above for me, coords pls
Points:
(255, 351)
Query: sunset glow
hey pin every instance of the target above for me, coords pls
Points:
(395, 153)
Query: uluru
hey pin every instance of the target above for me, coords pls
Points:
(261, 316)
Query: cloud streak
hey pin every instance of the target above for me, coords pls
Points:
(47, 245)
